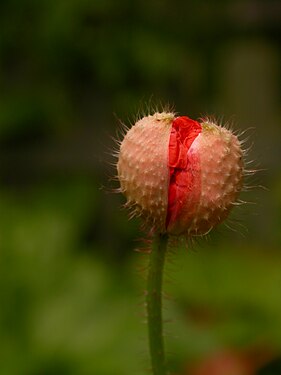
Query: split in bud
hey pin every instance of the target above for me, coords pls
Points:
(181, 176)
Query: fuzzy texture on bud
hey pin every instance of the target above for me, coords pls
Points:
(181, 176)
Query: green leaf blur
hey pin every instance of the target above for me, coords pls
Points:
(71, 295)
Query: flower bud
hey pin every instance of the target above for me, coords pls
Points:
(181, 176)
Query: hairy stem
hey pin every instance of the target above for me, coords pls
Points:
(154, 304)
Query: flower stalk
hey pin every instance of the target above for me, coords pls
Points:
(154, 304)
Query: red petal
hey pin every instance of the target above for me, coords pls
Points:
(184, 131)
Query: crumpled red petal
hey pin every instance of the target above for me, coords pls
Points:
(183, 133)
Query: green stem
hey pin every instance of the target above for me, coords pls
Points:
(154, 304)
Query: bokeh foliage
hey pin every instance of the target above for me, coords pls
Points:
(70, 295)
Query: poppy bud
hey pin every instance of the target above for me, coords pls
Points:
(181, 176)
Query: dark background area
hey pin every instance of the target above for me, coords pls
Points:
(70, 293)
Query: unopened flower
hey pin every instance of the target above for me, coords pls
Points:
(183, 177)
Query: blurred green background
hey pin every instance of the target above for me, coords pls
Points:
(71, 293)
